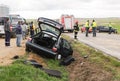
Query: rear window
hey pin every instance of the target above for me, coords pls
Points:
(50, 29)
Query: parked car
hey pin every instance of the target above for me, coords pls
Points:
(105, 29)
(48, 41)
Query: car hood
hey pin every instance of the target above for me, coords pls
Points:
(50, 26)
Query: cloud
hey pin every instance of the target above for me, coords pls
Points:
(82, 8)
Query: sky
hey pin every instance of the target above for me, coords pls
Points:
(55, 8)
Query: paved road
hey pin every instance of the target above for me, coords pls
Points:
(107, 43)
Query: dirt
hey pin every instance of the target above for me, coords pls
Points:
(7, 53)
(80, 70)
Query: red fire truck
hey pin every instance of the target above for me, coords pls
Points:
(68, 22)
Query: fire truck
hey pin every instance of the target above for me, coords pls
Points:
(68, 22)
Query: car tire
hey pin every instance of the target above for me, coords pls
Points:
(99, 31)
(115, 32)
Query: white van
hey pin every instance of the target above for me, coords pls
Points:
(2, 23)
(13, 22)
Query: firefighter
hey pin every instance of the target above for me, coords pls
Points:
(76, 29)
(87, 27)
(94, 25)
(110, 27)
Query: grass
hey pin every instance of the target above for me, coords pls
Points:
(96, 57)
(21, 72)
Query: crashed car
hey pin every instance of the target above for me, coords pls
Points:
(48, 41)
(106, 29)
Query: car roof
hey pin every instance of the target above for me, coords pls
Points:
(50, 22)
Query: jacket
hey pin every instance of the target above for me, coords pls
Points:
(87, 24)
(7, 27)
(76, 28)
(18, 29)
(94, 24)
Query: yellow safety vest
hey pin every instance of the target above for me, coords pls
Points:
(86, 24)
(94, 24)
(110, 25)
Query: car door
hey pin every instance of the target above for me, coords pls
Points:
(65, 48)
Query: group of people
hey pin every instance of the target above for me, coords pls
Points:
(87, 27)
(93, 25)
(21, 29)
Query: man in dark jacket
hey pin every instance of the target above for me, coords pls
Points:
(32, 28)
(76, 29)
(7, 30)
(18, 34)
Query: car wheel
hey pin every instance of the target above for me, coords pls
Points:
(99, 31)
(115, 31)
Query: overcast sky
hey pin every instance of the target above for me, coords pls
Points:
(54, 8)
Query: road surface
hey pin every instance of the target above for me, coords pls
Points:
(107, 43)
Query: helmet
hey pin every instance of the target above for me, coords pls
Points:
(76, 21)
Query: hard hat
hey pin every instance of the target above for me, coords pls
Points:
(76, 21)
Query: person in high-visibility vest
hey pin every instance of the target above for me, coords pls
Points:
(76, 29)
(87, 27)
(94, 25)
(32, 28)
(110, 27)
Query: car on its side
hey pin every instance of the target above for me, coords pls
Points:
(106, 29)
(48, 41)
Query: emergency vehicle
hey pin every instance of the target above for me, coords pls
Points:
(68, 22)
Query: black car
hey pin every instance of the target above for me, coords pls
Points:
(105, 29)
(48, 42)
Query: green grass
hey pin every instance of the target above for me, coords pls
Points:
(21, 72)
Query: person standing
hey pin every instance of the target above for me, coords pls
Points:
(24, 29)
(18, 34)
(7, 30)
(87, 27)
(32, 28)
(110, 27)
(76, 29)
(94, 25)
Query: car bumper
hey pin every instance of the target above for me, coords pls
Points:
(40, 50)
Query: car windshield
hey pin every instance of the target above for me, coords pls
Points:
(51, 29)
